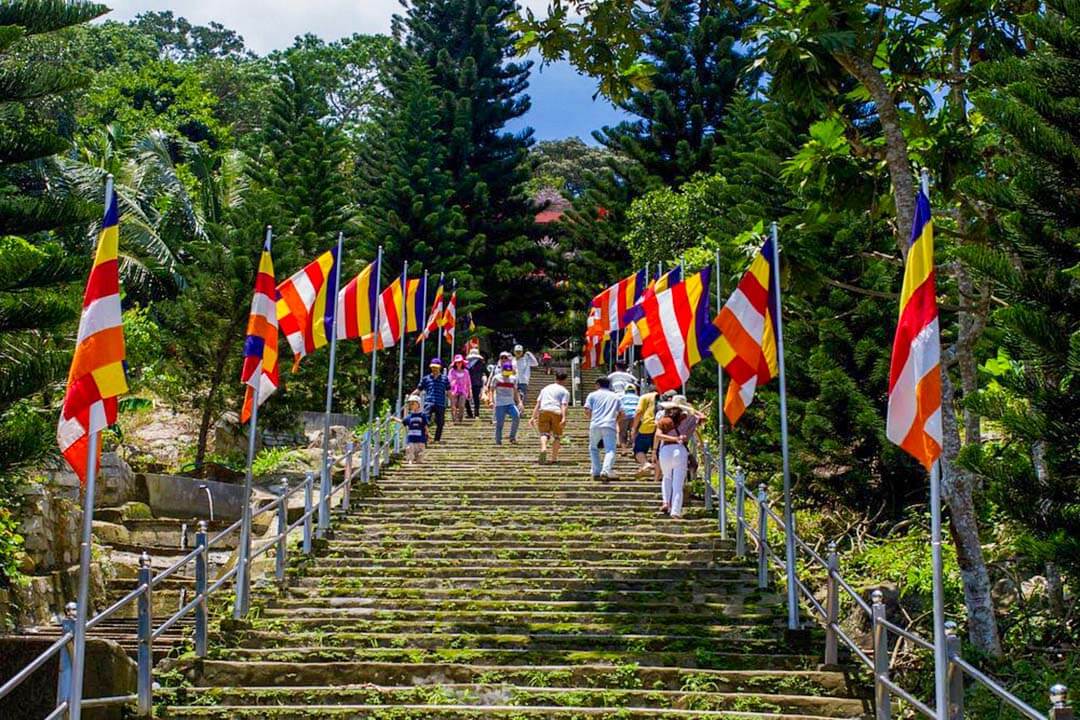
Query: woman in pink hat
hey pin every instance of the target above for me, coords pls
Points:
(460, 387)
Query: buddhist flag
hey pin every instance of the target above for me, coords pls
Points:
(435, 317)
(472, 325)
(355, 315)
(96, 377)
(414, 305)
(260, 370)
(914, 416)
(391, 303)
(633, 335)
(306, 307)
(677, 329)
(747, 324)
(615, 301)
(449, 323)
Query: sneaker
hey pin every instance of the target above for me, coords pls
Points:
(604, 477)
(596, 478)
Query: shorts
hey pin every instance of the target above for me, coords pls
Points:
(550, 423)
(643, 443)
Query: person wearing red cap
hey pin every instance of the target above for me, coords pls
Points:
(460, 387)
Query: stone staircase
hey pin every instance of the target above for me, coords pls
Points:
(482, 585)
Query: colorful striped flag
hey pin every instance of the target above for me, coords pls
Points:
(449, 323)
(635, 331)
(391, 301)
(615, 301)
(355, 314)
(472, 325)
(96, 377)
(914, 415)
(414, 304)
(678, 332)
(260, 368)
(306, 306)
(747, 324)
(435, 317)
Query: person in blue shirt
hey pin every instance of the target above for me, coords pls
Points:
(436, 389)
(416, 425)
(604, 410)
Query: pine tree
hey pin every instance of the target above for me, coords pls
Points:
(468, 47)
(698, 70)
(407, 194)
(305, 160)
(38, 293)
(1031, 198)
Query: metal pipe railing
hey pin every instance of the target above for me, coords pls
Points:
(371, 460)
(884, 631)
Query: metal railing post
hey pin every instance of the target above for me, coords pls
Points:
(346, 492)
(721, 498)
(740, 515)
(832, 606)
(63, 677)
(882, 696)
(200, 590)
(1059, 703)
(377, 448)
(145, 655)
(955, 673)
(763, 534)
(707, 475)
(283, 532)
(324, 498)
(309, 479)
(365, 457)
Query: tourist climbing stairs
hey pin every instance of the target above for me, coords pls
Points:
(481, 584)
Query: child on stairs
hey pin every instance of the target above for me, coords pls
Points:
(416, 425)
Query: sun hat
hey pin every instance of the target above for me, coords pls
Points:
(458, 358)
(435, 362)
(413, 398)
(508, 367)
(504, 354)
(475, 353)
(519, 349)
(679, 401)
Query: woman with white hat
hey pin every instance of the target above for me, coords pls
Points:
(673, 432)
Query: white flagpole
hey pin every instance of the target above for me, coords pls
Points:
(438, 328)
(401, 340)
(453, 330)
(941, 688)
(240, 608)
(789, 514)
(82, 597)
(722, 481)
(375, 334)
(324, 484)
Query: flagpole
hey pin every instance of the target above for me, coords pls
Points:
(401, 341)
(941, 693)
(721, 484)
(82, 596)
(324, 487)
(438, 331)
(453, 330)
(375, 336)
(423, 330)
(789, 515)
(243, 552)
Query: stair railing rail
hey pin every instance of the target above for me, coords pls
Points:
(754, 522)
(375, 449)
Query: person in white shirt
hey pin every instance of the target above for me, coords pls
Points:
(604, 410)
(506, 401)
(524, 362)
(621, 377)
(549, 416)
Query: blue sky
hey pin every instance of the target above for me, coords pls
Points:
(562, 99)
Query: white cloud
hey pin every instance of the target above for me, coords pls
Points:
(270, 24)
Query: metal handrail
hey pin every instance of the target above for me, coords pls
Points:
(884, 686)
(370, 462)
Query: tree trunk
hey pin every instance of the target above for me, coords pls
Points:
(216, 378)
(957, 489)
(972, 322)
(896, 149)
